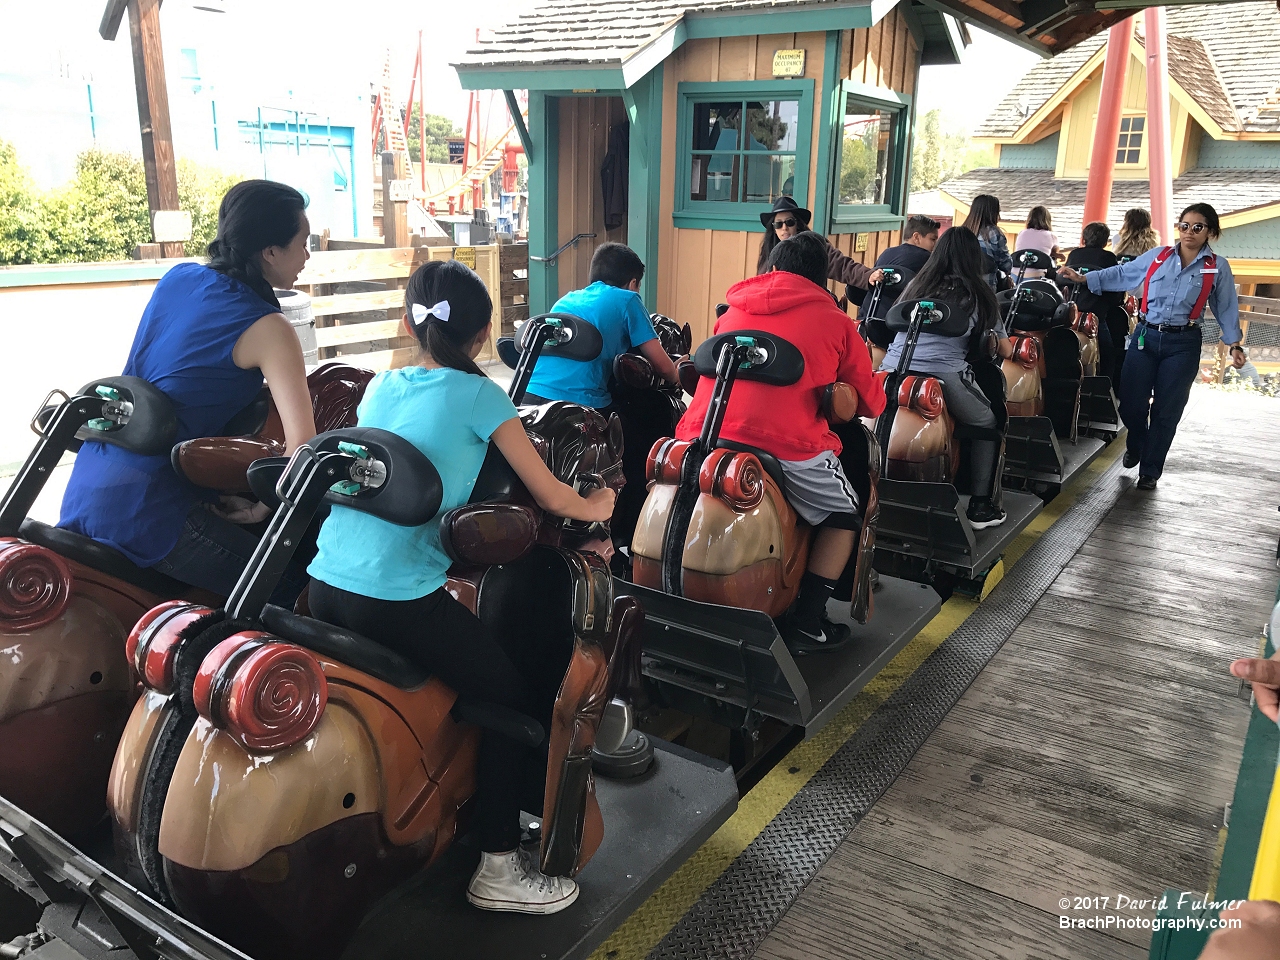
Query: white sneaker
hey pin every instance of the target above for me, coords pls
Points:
(512, 882)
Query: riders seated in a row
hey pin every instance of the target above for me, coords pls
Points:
(611, 303)
(1038, 235)
(791, 300)
(1113, 324)
(919, 237)
(787, 219)
(388, 581)
(208, 337)
(954, 274)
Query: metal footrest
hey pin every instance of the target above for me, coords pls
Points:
(1032, 451)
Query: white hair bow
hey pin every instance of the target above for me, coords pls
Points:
(439, 310)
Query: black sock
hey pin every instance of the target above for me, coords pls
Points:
(815, 591)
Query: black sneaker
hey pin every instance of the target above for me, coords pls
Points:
(982, 513)
(1131, 459)
(830, 636)
(1146, 483)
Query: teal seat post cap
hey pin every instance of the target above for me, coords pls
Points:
(348, 488)
(101, 423)
(107, 393)
(353, 449)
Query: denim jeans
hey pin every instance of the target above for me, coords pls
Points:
(1154, 387)
(211, 553)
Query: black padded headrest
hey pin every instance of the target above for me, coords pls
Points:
(1031, 260)
(940, 317)
(249, 421)
(583, 342)
(412, 492)
(895, 278)
(508, 352)
(151, 428)
(783, 364)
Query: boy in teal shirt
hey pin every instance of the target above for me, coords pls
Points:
(610, 303)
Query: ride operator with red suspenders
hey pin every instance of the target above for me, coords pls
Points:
(1163, 355)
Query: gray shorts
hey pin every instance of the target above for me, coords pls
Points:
(817, 487)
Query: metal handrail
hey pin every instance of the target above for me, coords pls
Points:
(563, 248)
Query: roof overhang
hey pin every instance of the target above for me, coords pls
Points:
(623, 73)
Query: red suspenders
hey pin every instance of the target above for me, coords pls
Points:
(1208, 275)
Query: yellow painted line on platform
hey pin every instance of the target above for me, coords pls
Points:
(642, 931)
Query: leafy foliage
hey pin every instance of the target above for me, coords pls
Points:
(939, 155)
(102, 214)
(23, 237)
(858, 168)
(439, 130)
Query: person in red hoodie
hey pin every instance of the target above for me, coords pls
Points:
(792, 301)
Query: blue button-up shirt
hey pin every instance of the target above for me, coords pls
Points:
(1175, 289)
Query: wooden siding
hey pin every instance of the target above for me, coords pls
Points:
(1081, 110)
(696, 267)
(585, 123)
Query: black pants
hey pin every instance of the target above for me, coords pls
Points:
(441, 635)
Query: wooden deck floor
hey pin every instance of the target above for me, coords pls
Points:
(1094, 755)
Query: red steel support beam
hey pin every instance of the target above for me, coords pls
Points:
(1159, 159)
(1102, 159)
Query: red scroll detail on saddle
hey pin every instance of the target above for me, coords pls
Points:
(267, 694)
(35, 585)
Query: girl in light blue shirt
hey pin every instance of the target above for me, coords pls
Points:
(388, 582)
(1163, 356)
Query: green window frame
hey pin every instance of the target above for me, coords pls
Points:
(737, 214)
(863, 217)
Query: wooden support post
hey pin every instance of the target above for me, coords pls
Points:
(153, 112)
(1159, 160)
(395, 213)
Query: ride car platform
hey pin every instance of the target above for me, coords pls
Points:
(1099, 410)
(727, 663)
(923, 529)
(653, 824)
(1027, 462)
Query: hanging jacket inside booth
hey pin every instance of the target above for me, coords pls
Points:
(613, 176)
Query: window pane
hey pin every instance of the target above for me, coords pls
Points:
(714, 176)
(769, 178)
(1124, 124)
(1138, 123)
(772, 125)
(1124, 140)
(1135, 139)
(1133, 157)
(1119, 156)
(866, 154)
(716, 125)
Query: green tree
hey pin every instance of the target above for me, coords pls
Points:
(102, 214)
(858, 168)
(23, 236)
(939, 155)
(200, 193)
(439, 130)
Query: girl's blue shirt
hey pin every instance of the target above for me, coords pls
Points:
(1174, 288)
(447, 414)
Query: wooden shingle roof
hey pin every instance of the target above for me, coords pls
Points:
(1223, 55)
(1228, 191)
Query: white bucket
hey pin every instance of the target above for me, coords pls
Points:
(296, 307)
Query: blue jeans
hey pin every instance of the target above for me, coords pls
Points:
(1154, 386)
(211, 553)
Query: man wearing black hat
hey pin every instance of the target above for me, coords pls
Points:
(785, 220)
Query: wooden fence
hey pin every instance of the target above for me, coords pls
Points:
(358, 297)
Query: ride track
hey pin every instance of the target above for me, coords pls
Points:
(686, 916)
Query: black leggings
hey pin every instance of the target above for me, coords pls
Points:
(441, 635)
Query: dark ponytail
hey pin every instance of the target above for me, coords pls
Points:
(469, 309)
(254, 215)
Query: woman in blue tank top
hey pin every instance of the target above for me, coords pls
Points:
(207, 338)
